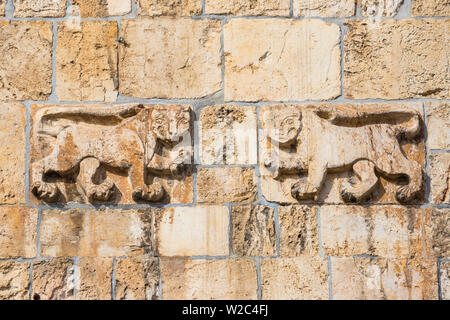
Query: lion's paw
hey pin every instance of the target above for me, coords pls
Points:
(101, 192)
(303, 191)
(152, 193)
(347, 192)
(47, 192)
(404, 194)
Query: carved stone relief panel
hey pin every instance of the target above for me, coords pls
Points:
(111, 154)
(342, 153)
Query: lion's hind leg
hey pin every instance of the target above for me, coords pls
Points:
(89, 171)
(359, 187)
(42, 190)
(141, 191)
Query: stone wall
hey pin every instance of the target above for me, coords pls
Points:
(224, 149)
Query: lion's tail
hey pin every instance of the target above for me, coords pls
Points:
(410, 129)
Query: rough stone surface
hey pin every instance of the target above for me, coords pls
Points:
(40, 8)
(2, 7)
(440, 178)
(228, 279)
(170, 7)
(329, 153)
(101, 8)
(103, 154)
(299, 231)
(396, 59)
(387, 231)
(438, 124)
(445, 280)
(90, 233)
(29, 45)
(137, 278)
(380, 8)
(380, 278)
(14, 280)
(188, 67)
(253, 231)
(12, 153)
(430, 8)
(248, 7)
(219, 185)
(228, 135)
(276, 60)
(18, 232)
(301, 278)
(196, 231)
(324, 8)
(93, 280)
(90, 72)
(53, 279)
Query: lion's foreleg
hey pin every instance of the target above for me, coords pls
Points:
(89, 169)
(47, 192)
(316, 175)
(141, 191)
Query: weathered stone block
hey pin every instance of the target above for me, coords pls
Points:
(101, 8)
(193, 231)
(2, 7)
(299, 231)
(248, 7)
(301, 278)
(228, 135)
(25, 60)
(40, 8)
(445, 280)
(170, 7)
(93, 278)
(12, 153)
(440, 177)
(438, 124)
(380, 8)
(137, 278)
(228, 279)
(118, 154)
(430, 8)
(396, 59)
(379, 278)
(14, 280)
(253, 231)
(90, 72)
(342, 153)
(102, 233)
(275, 60)
(324, 8)
(18, 232)
(219, 185)
(53, 279)
(188, 67)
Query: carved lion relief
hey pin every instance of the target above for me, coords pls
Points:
(113, 154)
(305, 148)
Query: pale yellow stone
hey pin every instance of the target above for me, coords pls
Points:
(380, 8)
(12, 153)
(2, 7)
(137, 278)
(189, 66)
(248, 7)
(90, 72)
(101, 8)
(440, 177)
(380, 278)
(193, 231)
(275, 60)
(93, 278)
(396, 59)
(445, 280)
(53, 279)
(25, 60)
(18, 232)
(438, 124)
(90, 233)
(227, 279)
(169, 7)
(301, 278)
(324, 8)
(14, 280)
(40, 8)
(228, 135)
(218, 185)
(430, 8)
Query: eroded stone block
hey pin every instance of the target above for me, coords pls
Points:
(101, 8)
(25, 60)
(188, 67)
(248, 7)
(430, 8)
(14, 280)
(227, 279)
(445, 280)
(440, 177)
(396, 59)
(111, 154)
(337, 153)
(438, 124)
(324, 8)
(40, 8)
(380, 8)
(170, 7)
(93, 281)
(275, 60)
(53, 279)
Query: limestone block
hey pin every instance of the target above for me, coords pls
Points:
(39, 8)
(170, 7)
(438, 124)
(93, 281)
(380, 8)
(324, 8)
(53, 279)
(14, 280)
(248, 7)
(101, 8)
(445, 280)
(440, 178)
(430, 7)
